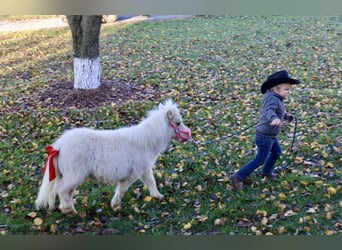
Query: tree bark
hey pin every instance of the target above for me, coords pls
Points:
(85, 36)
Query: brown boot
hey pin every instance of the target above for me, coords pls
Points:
(237, 182)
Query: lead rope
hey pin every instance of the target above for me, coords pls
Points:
(284, 164)
(278, 169)
(222, 137)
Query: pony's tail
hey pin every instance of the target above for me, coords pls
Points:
(47, 192)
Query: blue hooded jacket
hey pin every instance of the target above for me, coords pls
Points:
(272, 107)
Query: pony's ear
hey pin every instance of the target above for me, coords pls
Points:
(169, 115)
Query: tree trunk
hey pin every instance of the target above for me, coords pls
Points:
(85, 36)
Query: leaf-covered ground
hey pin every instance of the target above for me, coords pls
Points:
(213, 68)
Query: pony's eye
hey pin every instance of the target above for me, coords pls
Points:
(178, 123)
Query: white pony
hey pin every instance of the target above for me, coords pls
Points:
(118, 157)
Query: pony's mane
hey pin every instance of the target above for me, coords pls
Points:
(169, 104)
(154, 130)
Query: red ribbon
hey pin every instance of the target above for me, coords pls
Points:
(49, 162)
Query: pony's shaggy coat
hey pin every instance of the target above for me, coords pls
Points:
(118, 157)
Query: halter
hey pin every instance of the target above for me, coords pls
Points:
(183, 134)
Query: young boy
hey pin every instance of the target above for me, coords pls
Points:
(274, 90)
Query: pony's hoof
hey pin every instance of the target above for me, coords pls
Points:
(160, 197)
(116, 207)
(68, 211)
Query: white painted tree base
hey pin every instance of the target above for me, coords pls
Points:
(87, 73)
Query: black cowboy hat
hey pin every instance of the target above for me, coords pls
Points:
(277, 78)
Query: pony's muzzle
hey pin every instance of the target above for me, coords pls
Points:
(184, 134)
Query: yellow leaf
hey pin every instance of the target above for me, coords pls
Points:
(285, 184)
(261, 213)
(217, 222)
(298, 160)
(338, 149)
(148, 198)
(329, 232)
(165, 214)
(319, 184)
(328, 216)
(32, 214)
(262, 196)
(327, 207)
(53, 228)
(331, 190)
(307, 218)
(187, 226)
(83, 214)
(5, 171)
(264, 221)
(282, 196)
(38, 221)
(280, 205)
(281, 230)
(273, 217)
(325, 154)
(303, 183)
(202, 218)
(34, 145)
(301, 220)
(84, 200)
(330, 165)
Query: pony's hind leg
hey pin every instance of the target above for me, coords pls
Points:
(120, 191)
(150, 182)
(65, 193)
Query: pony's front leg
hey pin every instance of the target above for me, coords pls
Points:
(120, 191)
(150, 182)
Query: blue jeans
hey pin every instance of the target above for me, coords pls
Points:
(268, 153)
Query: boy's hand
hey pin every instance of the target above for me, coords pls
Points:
(276, 122)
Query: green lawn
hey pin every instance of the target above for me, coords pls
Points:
(213, 68)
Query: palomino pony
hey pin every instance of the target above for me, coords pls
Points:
(118, 157)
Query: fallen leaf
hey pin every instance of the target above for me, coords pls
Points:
(32, 215)
(329, 232)
(187, 226)
(311, 210)
(53, 228)
(38, 221)
(202, 218)
(264, 221)
(289, 213)
(261, 213)
(331, 190)
(148, 198)
(4, 194)
(282, 196)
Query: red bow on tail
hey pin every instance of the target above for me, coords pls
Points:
(49, 162)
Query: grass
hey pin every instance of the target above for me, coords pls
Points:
(213, 68)
(11, 18)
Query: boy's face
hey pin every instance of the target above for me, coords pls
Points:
(283, 90)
